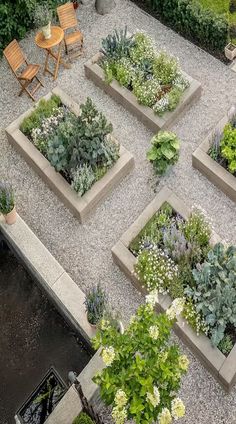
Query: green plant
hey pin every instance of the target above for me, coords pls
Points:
(227, 146)
(214, 293)
(95, 304)
(44, 109)
(147, 92)
(165, 68)
(7, 198)
(143, 369)
(195, 22)
(90, 144)
(173, 98)
(142, 49)
(197, 229)
(42, 15)
(57, 153)
(117, 45)
(83, 418)
(124, 72)
(232, 6)
(164, 151)
(226, 345)
(155, 270)
(82, 179)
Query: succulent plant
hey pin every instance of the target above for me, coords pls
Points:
(117, 45)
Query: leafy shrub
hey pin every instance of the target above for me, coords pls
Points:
(214, 293)
(226, 345)
(57, 153)
(142, 49)
(143, 369)
(7, 198)
(95, 304)
(197, 229)
(124, 72)
(165, 68)
(192, 20)
(117, 45)
(147, 92)
(164, 151)
(83, 179)
(16, 18)
(228, 147)
(83, 418)
(232, 6)
(44, 109)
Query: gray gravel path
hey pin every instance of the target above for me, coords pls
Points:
(85, 251)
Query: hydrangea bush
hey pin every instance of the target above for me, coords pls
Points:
(79, 147)
(143, 370)
(155, 79)
(175, 256)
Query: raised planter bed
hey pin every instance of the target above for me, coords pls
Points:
(216, 173)
(127, 99)
(223, 368)
(81, 207)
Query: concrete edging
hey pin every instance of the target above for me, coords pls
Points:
(145, 114)
(81, 207)
(69, 300)
(216, 173)
(222, 368)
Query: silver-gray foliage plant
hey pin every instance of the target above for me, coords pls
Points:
(214, 293)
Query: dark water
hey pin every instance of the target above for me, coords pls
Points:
(33, 337)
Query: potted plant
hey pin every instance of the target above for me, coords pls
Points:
(95, 305)
(7, 203)
(230, 49)
(42, 19)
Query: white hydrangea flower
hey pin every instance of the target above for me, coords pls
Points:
(108, 355)
(176, 308)
(164, 417)
(152, 298)
(154, 398)
(183, 362)
(154, 332)
(119, 415)
(120, 398)
(177, 408)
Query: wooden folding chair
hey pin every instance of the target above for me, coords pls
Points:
(68, 21)
(16, 61)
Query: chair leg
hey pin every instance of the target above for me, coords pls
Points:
(37, 78)
(66, 49)
(24, 88)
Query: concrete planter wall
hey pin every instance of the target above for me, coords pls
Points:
(81, 207)
(223, 369)
(69, 300)
(218, 175)
(145, 114)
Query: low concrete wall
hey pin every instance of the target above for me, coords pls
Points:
(81, 207)
(223, 369)
(69, 300)
(127, 99)
(218, 175)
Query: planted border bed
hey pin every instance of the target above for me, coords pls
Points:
(151, 86)
(209, 167)
(223, 368)
(80, 206)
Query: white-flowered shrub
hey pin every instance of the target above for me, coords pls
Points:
(143, 370)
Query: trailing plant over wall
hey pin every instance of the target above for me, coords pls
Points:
(143, 369)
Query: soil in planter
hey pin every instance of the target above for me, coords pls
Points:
(34, 337)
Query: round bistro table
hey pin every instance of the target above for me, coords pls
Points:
(56, 39)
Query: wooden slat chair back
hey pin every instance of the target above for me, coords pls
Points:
(16, 61)
(68, 21)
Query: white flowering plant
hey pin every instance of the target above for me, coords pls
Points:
(154, 78)
(143, 370)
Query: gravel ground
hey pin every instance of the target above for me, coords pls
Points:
(85, 251)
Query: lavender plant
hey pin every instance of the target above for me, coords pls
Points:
(7, 198)
(214, 151)
(95, 304)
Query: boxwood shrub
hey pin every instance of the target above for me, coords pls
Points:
(190, 19)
